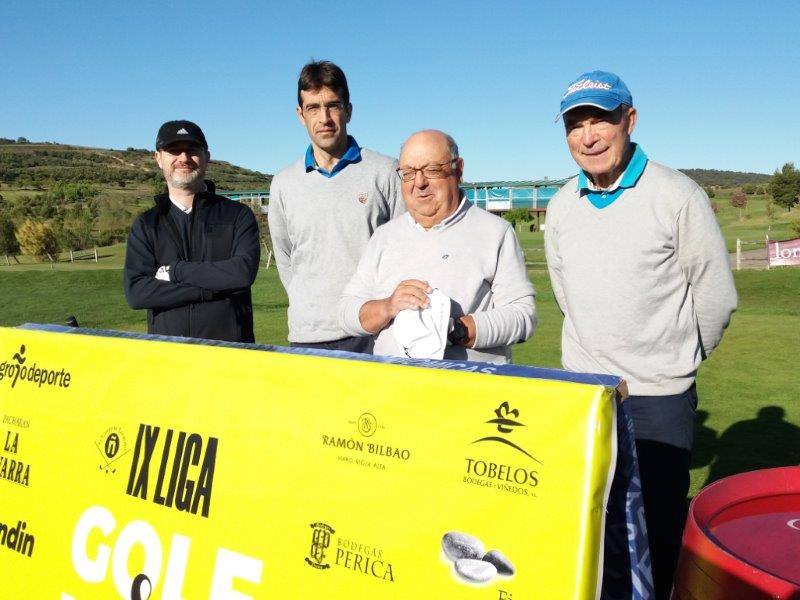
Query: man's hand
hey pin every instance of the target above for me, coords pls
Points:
(163, 273)
(376, 315)
(411, 293)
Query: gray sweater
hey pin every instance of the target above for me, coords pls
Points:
(319, 228)
(644, 284)
(474, 258)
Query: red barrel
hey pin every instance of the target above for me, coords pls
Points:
(742, 539)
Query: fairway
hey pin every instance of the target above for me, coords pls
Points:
(748, 416)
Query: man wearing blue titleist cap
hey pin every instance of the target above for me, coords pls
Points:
(640, 270)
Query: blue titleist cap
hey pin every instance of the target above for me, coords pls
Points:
(597, 88)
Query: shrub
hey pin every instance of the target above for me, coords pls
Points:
(794, 225)
(37, 239)
(8, 238)
(517, 215)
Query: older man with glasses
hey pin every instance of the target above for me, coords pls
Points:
(443, 247)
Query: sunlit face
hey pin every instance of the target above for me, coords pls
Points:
(599, 140)
(430, 201)
(183, 164)
(325, 116)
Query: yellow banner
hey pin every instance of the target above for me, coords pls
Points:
(136, 468)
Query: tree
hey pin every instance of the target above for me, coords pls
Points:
(784, 187)
(794, 225)
(739, 200)
(749, 188)
(112, 223)
(710, 191)
(159, 187)
(8, 240)
(516, 215)
(769, 207)
(76, 230)
(37, 239)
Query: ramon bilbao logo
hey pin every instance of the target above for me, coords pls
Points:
(19, 370)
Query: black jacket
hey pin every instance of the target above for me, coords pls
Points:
(208, 295)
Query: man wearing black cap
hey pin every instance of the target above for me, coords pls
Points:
(640, 270)
(192, 258)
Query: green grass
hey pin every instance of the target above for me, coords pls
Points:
(754, 224)
(109, 257)
(95, 297)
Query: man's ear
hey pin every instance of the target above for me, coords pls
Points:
(460, 169)
(300, 117)
(632, 117)
(157, 158)
(348, 112)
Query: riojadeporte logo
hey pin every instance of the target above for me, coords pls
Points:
(18, 369)
(320, 541)
(505, 425)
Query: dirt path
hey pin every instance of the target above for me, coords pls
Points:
(751, 259)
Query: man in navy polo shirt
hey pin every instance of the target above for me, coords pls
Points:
(640, 270)
(323, 209)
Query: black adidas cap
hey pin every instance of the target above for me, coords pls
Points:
(180, 131)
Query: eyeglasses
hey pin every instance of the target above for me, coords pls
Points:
(428, 171)
(332, 107)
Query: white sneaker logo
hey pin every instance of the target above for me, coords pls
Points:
(182, 131)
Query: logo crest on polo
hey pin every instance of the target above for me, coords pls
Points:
(585, 84)
(362, 197)
(182, 131)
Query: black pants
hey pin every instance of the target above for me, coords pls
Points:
(362, 345)
(664, 434)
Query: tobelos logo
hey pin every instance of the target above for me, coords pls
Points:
(16, 370)
(505, 425)
(320, 541)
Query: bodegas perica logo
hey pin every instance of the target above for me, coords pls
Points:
(18, 369)
(358, 556)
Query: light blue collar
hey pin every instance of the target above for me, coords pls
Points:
(629, 178)
(350, 156)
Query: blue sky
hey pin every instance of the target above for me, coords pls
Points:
(717, 84)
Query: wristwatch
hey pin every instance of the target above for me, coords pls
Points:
(459, 334)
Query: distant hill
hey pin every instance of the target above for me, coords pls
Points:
(706, 177)
(37, 165)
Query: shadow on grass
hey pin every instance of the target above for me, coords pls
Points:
(705, 441)
(760, 443)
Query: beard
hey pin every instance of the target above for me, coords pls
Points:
(186, 181)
